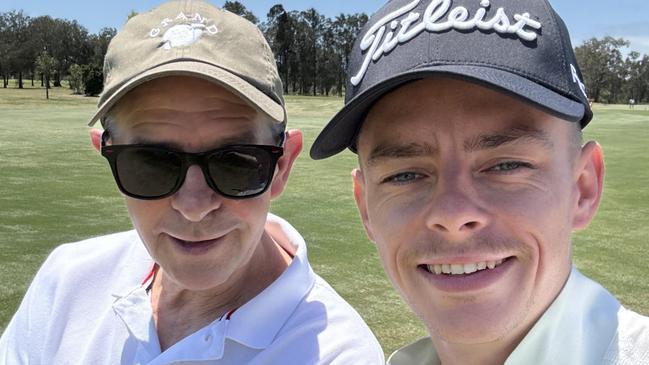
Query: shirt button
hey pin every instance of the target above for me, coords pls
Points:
(208, 338)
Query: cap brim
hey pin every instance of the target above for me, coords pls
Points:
(342, 129)
(230, 81)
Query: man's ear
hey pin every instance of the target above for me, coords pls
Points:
(589, 177)
(95, 138)
(292, 149)
(358, 179)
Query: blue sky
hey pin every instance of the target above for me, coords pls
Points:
(585, 19)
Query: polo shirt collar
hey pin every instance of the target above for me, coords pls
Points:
(256, 323)
(577, 328)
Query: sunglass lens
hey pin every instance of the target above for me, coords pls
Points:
(148, 172)
(240, 172)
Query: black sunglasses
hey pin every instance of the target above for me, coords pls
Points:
(150, 172)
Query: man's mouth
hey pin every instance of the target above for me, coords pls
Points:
(200, 243)
(196, 246)
(463, 269)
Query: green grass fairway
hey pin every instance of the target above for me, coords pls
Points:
(54, 188)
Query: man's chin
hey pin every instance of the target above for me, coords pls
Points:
(474, 322)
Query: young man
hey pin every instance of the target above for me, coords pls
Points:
(466, 117)
(194, 135)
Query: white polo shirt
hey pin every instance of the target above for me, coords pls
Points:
(585, 325)
(88, 305)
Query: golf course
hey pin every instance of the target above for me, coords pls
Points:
(55, 188)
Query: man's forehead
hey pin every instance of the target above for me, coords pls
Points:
(177, 111)
(413, 142)
(183, 94)
(442, 107)
(183, 102)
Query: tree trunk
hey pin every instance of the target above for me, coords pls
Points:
(20, 80)
(47, 88)
(315, 68)
(57, 79)
(42, 81)
(315, 79)
(33, 72)
(286, 67)
(5, 81)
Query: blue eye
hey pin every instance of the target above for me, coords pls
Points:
(510, 166)
(403, 177)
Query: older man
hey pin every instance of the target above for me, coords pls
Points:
(194, 134)
(466, 117)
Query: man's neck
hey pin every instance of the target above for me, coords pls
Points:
(488, 353)
(179, 312)
(492, 353)
(497, 351)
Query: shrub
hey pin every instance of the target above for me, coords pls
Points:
(76, 78)
(93, 80)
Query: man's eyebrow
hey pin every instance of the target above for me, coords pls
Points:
(247, 137)
(507, 136)
(386, 151)
(149, 142)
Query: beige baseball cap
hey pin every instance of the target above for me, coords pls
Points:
(193, 38)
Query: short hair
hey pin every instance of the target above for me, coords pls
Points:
(576, 136)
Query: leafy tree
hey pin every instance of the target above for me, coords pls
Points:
(66, 41)
(241, 10)
(98, 44)
(76, 79)
(315, 25)
(311, 51)
(279, 31)
(303, 63)
(330, 61)
(40, 37)
(4, 50)
(637, 71)
(641, 79)
(72, 46)
(17, 57)
(46, 65)
(346, 29)
(93, 79)
(601, 63)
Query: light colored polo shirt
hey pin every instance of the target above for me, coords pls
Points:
(585, 325)
(88, 305)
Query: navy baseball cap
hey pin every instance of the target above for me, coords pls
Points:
(518, 47)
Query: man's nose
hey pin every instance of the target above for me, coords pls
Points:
(195, 199)
(455, 210)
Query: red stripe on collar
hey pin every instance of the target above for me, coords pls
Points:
(230, 313)
(151, 274)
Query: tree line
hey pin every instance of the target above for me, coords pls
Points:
(311, 51)
(610, 76)
(40, 47)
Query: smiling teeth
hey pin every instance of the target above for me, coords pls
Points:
(461, 269)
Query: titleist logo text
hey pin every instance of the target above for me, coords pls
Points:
(379, 43)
